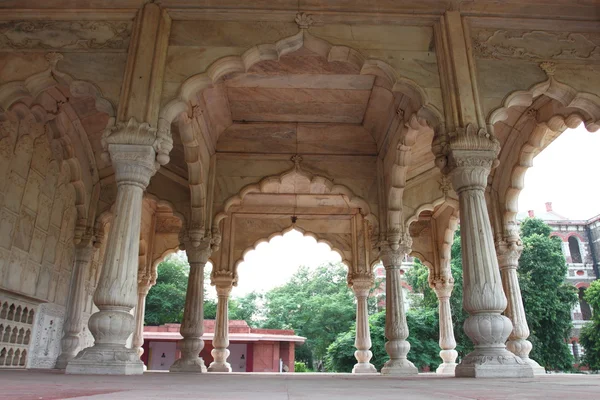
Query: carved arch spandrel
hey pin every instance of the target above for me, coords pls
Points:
(547, 109)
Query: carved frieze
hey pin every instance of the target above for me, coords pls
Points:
(536, 45)
(65, 35)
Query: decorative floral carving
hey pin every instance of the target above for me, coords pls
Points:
(536, 45)
(548, 67)
(304, 20)
(65, 35)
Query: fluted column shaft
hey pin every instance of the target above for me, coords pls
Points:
(220, 352)
(192, 326)
(74, 320)
(509, 252)
(483, 297)
(396, 328)
(116, 293)
(443, 291)
(140, 311)
(362, 342)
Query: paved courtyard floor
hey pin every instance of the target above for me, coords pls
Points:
(50, 385)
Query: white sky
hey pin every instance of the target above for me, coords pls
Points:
(564, 173)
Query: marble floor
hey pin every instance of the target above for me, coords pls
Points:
(49, 385)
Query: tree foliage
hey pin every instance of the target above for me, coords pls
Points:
(590, 333)
(316, 303)
(166, 299)
(547, 298)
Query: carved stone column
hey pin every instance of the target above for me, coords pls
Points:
(73, 322)
(223, 284)
(192, 326)
(509, 252)
(396, 329)
(470, 161)
(144, 286)
(443, 289)
(116, 293)
(361, 286)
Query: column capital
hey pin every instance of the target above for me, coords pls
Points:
(442, 286)
(84, 250)
(198, 254)
(509, 251)
(468, 155)
(223, 281)
(133, 132)
(145, 283)
(393, 254)
(133, 164)
(361, 284)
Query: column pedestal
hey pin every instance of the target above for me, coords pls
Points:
(396, 329)
(361, 286)
(116, 293)
(192, 326)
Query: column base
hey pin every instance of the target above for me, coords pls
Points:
(364, 368)
(493, 363)
(194, 365)
(100, 360)
(537, 368)
(401, 367)
(219, 367)
(446, 369)
(62, 362)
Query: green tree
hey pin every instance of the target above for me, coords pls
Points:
(547, 298)
(590, 333)
(316, 303)
(245, 308)
(166, 299)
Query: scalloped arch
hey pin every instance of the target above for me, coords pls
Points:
(588, 106)
(430, 207)
(566, 95)
(317, 185)
(283, 232)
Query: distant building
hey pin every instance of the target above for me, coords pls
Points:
(252, 350)
(581, 247)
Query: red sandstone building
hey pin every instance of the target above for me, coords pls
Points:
(252, 350)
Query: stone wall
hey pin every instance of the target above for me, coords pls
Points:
(37, 214)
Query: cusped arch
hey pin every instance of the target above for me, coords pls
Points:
(304, 232)
(309, 184)
(580, 107)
